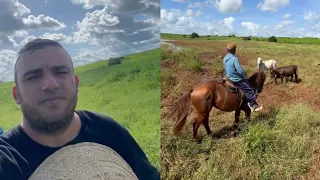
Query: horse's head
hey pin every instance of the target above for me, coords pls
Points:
(257, 81)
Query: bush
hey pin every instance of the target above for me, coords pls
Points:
(184, 36)
(194, 35)
(114, 61)
(272, 39)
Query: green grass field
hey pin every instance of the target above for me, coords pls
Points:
(235, 38)
(128, 92)
(279, 143)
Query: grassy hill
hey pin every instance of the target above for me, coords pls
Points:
(128, 92)
(281, 142)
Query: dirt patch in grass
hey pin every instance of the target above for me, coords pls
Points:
(290, 93)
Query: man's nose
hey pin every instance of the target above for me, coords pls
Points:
(50, 83)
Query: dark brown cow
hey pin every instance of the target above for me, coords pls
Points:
(285, 71)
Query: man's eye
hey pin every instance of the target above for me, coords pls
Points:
(31, 77)
(62, 72)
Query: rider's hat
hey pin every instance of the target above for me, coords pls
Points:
(231, 46)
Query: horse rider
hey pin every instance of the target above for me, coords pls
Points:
(237, 75)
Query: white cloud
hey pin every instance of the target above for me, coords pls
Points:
(285, 29)
(53, 36)
(170, 16)
(195, 5)
(252, 28)
(189, 13)
(192, 13)
(12, 12)
(129, 6)
(176, 21)
(44, 22)
(286, 16)
(185, 22)
(316, 27)
(272, 5)
(180, 1)
(311, 16)
(7, 60)
(104, 28)
(86, 56)
(118, 31)
(229, 6)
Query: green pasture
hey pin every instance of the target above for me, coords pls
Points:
(291, 40)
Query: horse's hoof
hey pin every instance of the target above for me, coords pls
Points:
(235, 126)
(198, 141)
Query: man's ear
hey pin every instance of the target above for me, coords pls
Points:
(76, 78)
(15, 94)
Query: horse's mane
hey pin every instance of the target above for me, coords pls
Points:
(257, 75)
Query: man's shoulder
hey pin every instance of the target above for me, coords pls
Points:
(229, 56)
(8, 138)
(233, 57)
(95, 117)
(98, 120)
(8, 142)
(9, 158)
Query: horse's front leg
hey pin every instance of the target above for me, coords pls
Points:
(236, 119)
(235, 126)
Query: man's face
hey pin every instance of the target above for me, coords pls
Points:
(46, 89)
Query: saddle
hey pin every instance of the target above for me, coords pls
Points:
(230, 87)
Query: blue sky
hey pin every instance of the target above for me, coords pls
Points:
(242, 17)
(89, 30)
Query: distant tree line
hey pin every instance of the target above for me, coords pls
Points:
(196, 35)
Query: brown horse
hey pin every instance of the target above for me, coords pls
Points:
(214, 93)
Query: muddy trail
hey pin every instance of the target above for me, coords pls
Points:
(181, 80)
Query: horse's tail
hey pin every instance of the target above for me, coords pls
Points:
(183, 105)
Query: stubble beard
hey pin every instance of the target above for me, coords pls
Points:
(46, 124)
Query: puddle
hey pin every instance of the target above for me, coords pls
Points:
(172, 46)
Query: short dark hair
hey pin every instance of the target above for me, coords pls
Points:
(33, 45)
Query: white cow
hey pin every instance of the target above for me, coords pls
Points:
(266, 65)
